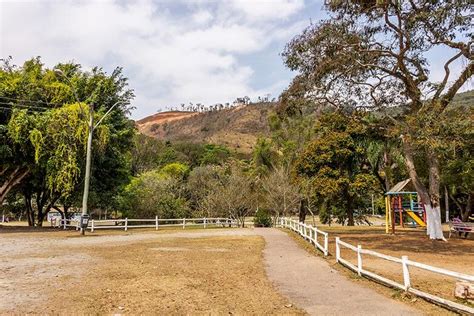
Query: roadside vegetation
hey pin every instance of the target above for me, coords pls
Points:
(361, 115)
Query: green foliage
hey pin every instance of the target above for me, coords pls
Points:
(214, 155)
(262, 219)
(265, 157)
(175, 170)
(51, 143)
(153, 194)
(336, 166)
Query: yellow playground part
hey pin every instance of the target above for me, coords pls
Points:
(416, 218)
(403, 199)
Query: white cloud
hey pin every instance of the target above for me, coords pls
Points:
(173, 52)
(268, 9)
(202, 17)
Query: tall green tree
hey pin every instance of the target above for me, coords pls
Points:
(336, 165)
(373, 54)
(51, 131)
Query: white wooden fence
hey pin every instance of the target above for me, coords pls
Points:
(405, 264)
(156, 223)
(308, 232)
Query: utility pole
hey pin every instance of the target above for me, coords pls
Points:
(446, 204)
(87, 179)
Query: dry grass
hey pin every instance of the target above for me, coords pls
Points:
(156, 275)
(237, 128)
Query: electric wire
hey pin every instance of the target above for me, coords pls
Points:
(30, 101)
(25, 106)
(11, 109)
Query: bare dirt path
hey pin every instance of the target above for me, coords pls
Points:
(314, 286)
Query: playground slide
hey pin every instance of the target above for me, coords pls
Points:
(416, 218)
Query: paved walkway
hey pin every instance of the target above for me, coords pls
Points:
(312, 285)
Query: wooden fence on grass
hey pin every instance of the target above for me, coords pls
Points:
(405, 264)
(156, 223)
(308, 232)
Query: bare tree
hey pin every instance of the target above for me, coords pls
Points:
(281, 196)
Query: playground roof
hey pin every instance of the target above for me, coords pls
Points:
(398, 188)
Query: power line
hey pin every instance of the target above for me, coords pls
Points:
(25, 106)
(11, 109)
(30, 101)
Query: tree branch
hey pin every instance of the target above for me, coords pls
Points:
(465, 75)
(446, 75)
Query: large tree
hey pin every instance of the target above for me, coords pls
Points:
(44, 118)
(336, 165)
(374, 54)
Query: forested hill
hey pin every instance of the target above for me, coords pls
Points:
(464, 99)
(237, 128)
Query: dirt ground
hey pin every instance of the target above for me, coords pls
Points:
(165, 272)
(457, 255)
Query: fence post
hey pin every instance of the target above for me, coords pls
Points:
(205, 222)
(92, 226)
(406, 273)
(156, 222)
(184, 223)
(326, 246)
(64, 223)
(338, 250)
(359, 260)
(316, 237)
(126, 223)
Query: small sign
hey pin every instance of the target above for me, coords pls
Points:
(84, 221)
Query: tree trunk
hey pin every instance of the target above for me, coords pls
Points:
(30, 213)
(387, 167)
(63, 216)
(43, 213)
(429, 199)
(348, 206)
(66, 211)
(302, 211)
(436, 229)
(11, 181)
(467, 210)
(350, 215)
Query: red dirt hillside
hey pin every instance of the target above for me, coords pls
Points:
(237, 128)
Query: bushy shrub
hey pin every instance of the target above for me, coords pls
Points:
(262, 219)
(154, 194)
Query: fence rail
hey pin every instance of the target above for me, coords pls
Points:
(156, 223)
(308, 232)
(405, 264)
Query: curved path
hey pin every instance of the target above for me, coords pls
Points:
(312, 285)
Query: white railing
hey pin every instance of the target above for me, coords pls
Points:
(405, 264)
(65, 223)
(308, 232)
(156, 223)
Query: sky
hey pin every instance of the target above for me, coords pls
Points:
(173, 52)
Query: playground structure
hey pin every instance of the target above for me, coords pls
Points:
(403, 207)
